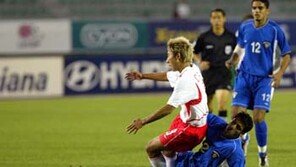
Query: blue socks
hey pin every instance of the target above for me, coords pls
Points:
(261, 135)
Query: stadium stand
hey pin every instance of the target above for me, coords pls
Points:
(130, 9)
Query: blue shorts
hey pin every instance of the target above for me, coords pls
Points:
(252, 92)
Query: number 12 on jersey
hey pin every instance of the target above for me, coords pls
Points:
(256, 47)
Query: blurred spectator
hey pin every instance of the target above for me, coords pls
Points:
(181, 9)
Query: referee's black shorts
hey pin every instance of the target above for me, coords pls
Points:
(217, 78)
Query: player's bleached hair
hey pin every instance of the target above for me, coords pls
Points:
(246, 119)
(266, 2)
(182, 46)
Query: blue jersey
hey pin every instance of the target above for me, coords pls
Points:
(261, 45)
(215, 149)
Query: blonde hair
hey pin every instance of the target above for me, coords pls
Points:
(182, 46)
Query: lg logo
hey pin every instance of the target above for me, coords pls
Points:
(81, 76)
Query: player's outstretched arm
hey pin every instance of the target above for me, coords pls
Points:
(139, 123)
(136, 75)
(279, 74)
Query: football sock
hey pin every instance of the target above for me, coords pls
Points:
(223, 114)
(245, 142)
(245, 137)
(261, 135)
(170, 161)
(262, 154)
(157, 162)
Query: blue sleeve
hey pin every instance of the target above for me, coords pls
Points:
(193, 159)
(210, 158)
(282, 42)
(183, 159)
(215, 121)
(216, 154)
(236, 162)
(237, 158)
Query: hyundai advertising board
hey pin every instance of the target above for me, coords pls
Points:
(105, 74)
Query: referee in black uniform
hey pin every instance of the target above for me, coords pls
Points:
(212, 49)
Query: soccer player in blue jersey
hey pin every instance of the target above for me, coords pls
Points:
(255, 55)
(222, 143)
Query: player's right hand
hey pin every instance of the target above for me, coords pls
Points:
(135, 126)
(134, 75)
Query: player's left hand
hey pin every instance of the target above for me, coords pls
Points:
(134, 75)
(276, 79)
(135, 126)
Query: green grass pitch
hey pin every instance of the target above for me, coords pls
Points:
(90, 131)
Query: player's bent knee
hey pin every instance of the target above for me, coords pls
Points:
(153, 148)
(258, 116)
(169, 153)
(258, 119)
(149, 146)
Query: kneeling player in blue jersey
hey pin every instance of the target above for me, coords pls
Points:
(222, 143)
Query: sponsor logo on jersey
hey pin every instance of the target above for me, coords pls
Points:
(108, 35)
(209, 46)
(215, 154)
(228, 49)
(266, 44)
(81, 76)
